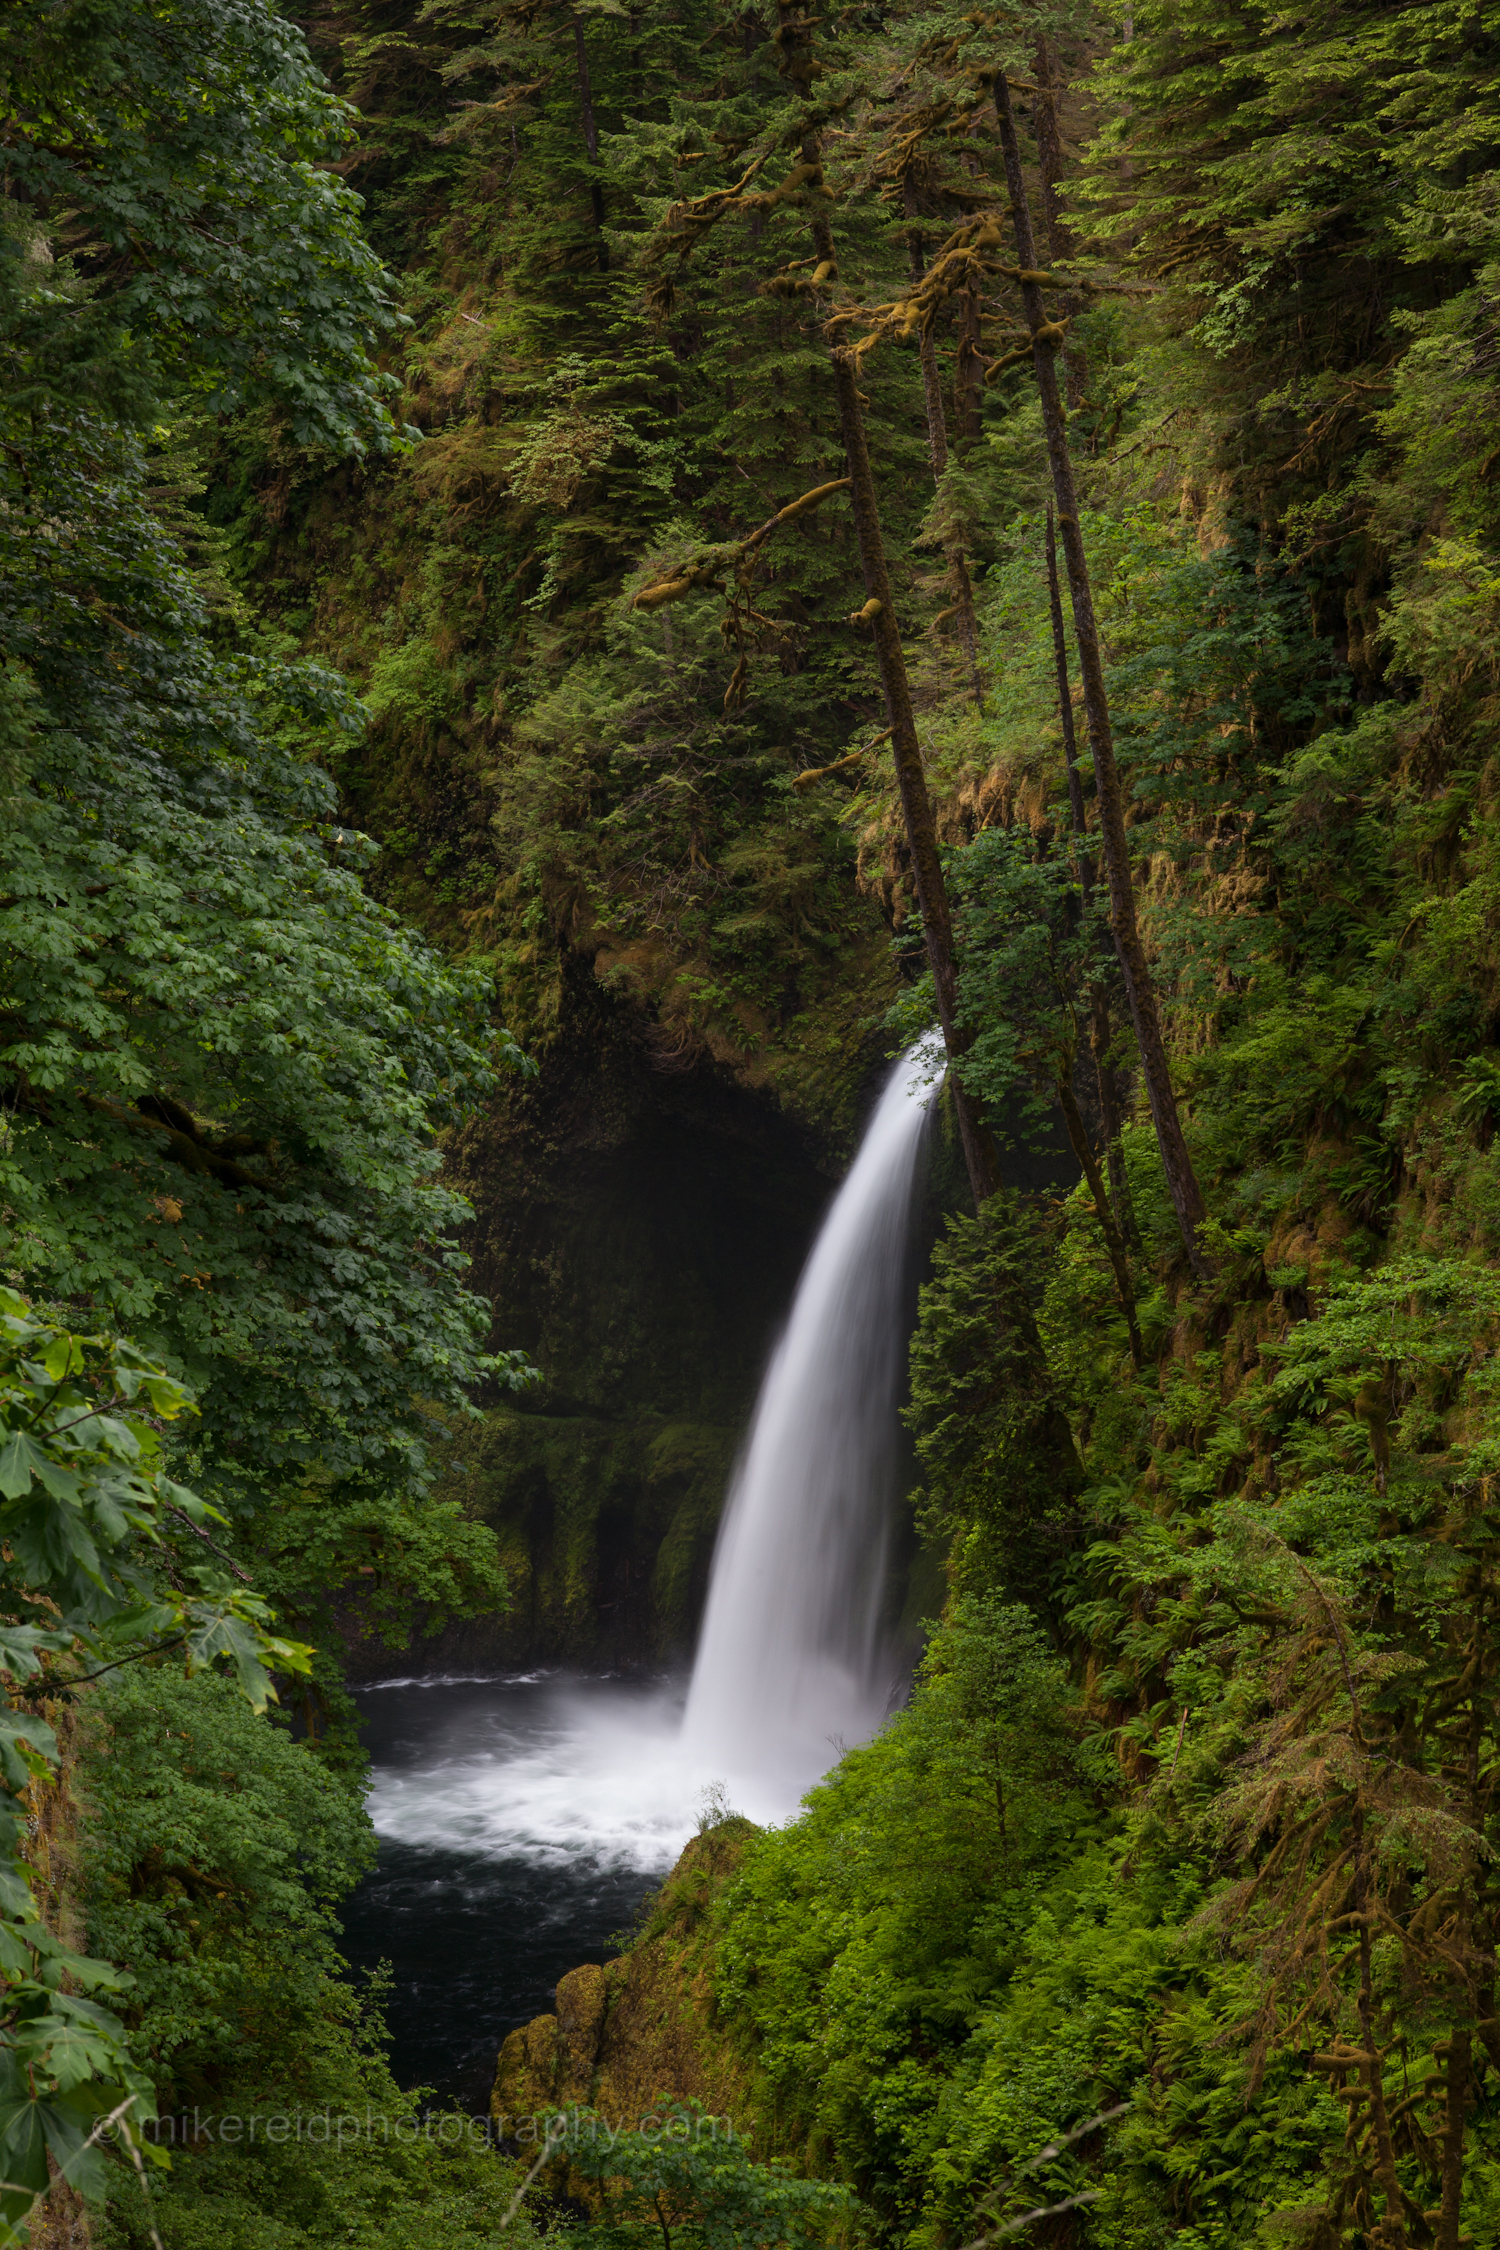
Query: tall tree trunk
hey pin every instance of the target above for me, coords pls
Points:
(1061, 241)
(1460, 2065)
(1461, 2039)
(1111, 1104)
(911, 779)
(932, 381)
(1391, 2233)
(1182, 1181)
(590, 138)
(968, 373)
(937, 446)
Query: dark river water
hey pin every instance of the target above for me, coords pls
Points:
(522, 1821)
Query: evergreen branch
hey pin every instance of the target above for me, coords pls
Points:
(709, 566)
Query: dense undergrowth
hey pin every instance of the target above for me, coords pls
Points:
(1166, 1912)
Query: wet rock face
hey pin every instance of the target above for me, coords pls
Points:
(639, 1228)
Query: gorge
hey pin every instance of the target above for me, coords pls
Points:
(523, 1821)
(877, 1666)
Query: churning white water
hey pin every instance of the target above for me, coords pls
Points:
(549, 1767)
(790, 1664)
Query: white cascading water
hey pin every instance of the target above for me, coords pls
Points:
(565, 1774)
(789, 1665)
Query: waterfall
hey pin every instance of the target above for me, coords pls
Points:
(789, 1662)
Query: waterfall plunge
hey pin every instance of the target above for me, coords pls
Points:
(789, 1663)
(578, 1777)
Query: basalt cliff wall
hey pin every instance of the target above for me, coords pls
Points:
(639, 1228)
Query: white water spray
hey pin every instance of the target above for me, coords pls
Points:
(789, 1663)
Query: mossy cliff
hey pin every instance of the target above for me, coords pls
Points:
(639, 1228)
(640, 2030)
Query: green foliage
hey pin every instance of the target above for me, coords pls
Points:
(998, 1460)
(975, 1990)
(225, 1061)
(184, 150)
(686, 2176)
(1031, 954)
(224, 1067)
(427, 2181)
(1295, 179)
(215, 1855)
(1167, 1906)
(864, 1942)
(575, 451)
(87, 1520)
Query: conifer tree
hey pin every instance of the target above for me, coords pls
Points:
(1046, 336)
(800, 67)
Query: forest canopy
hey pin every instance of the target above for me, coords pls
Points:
(770, 526)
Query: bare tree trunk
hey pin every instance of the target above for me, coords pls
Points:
(590, 138)
(1460, 2070)
(911, 779)
(932, 381)
(1110, 1104)
(1114, 1245)
(796, 65)
(1182, 1181)
(1391, 2233)
(1460, 2065)
(1061, 242)
(1065, 703)
(937, 446)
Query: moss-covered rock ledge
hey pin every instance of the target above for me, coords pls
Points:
(639, 2031)
(606, 1530)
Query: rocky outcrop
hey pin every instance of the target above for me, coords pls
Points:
(639, 2031)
